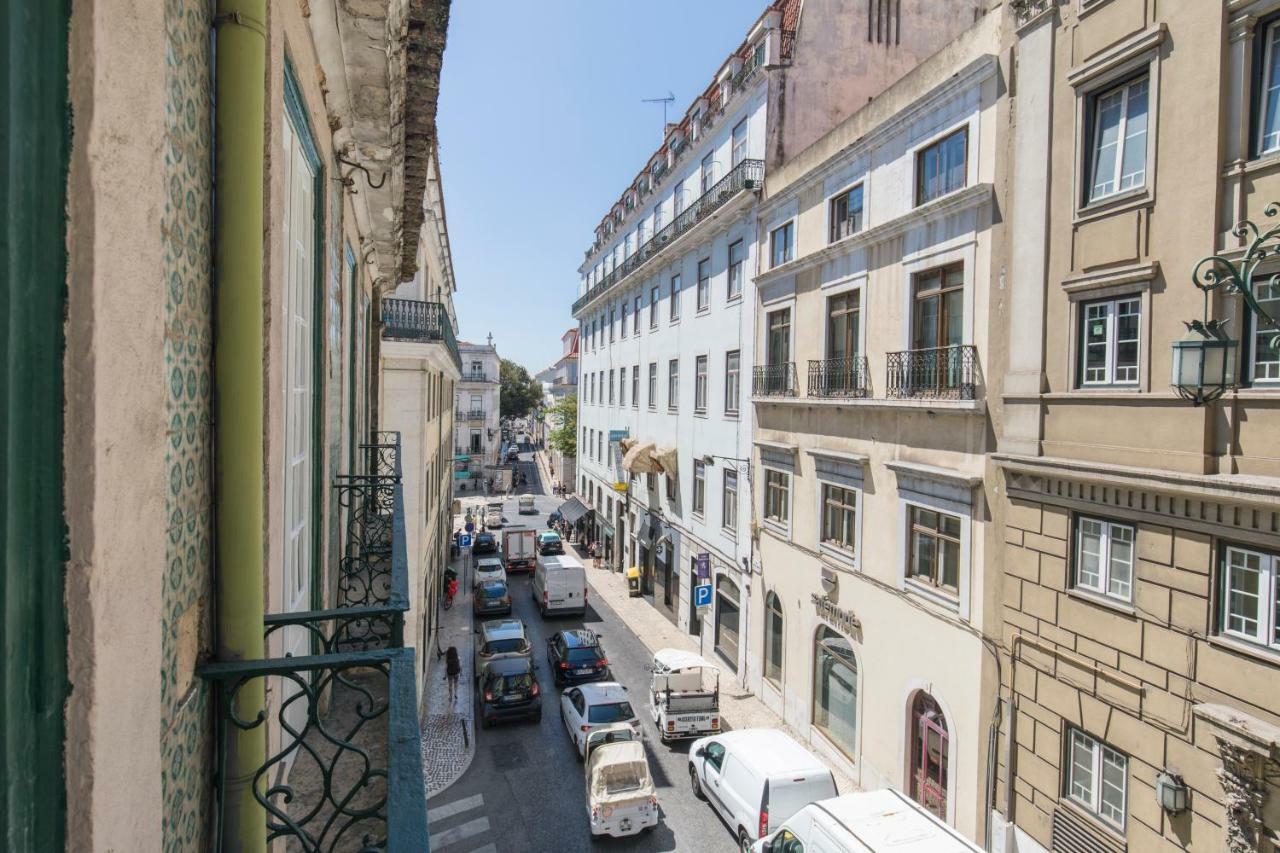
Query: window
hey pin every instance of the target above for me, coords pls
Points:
(700, 384)
(1096, 777)
(613, 316)
(1104, 558)
(773, 639)
(842, 325)
(778, 344)
(938, 310)
(839, 517)
(729, 501)
(657, 218)
(736, 255)
(635, 325)
(934, 553)
(655, 296)
(704, 284)
(699, 487)
(777, 488)
(1264, 340)
(846, 214)
(673, 384)
(671, 488)
(780, 245)
(622, 386)
(930, 754)
(940, 167)
(732, 371)
(593, 388)
(708, 172)
(727, 615)
(1109, 341)
(757, 54)
(695, 125)
(635, 386)
(1269, 122)
(1118, 149)
(835, 690)
(1251, 595)
(675, 298)
(739, 142)
(600, 446)
(626, 245)
(653, 384)
(677, 196)
(626, 309)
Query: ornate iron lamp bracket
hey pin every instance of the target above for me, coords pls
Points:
(1218, 271)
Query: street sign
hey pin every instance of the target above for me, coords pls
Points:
(464, 541)
(702, 595)
(704, 565)
(470, 527)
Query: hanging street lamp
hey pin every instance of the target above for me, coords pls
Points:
(1204, 361)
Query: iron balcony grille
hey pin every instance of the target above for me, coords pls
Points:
(774, 380)
(839, 377)
(476, 376)
(747, 175)
(940, 373)
(412, 320)
(470, 414)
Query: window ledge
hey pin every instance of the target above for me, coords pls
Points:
(1260, 653)
(1102, 601)
(731, 416)
(733, 300)
(842, 559)
(929, 593)
(778, 529)
(1120, 202)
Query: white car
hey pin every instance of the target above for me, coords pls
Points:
(488, 569)
(592, 706)
(499, 639)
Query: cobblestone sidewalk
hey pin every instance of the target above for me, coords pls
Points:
(448, 732)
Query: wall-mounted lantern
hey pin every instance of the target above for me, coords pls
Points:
(1204, 362)
(1171, 792)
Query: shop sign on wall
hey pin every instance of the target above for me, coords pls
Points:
(839, 618)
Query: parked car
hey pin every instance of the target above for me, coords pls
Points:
(485, 543)
(488, 569)
(550, 543)
(500, 639)
(621, 799)
(755, 779)
(559, 585)
(491, 598)
(493, 514)
(865, 822)
(591, 706)
(575, 656)
(509, 690)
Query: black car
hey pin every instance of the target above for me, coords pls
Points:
(550, 543)
(491, 599)
(575, 657)
(485, 543)
(509, 690)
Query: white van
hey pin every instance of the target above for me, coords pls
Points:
(866, 822)
(559, 585)
(756, 779)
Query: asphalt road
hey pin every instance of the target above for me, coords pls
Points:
(525, 789)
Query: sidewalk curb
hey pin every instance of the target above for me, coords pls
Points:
(448, 734)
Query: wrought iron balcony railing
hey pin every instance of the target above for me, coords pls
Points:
(412, 320)
(940, 373)
(839, 377)
(470, 414)
(476, 376)
(774, 380)
(747, 175)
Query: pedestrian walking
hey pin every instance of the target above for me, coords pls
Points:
(452, 669)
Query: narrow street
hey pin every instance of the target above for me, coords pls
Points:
(525, 789)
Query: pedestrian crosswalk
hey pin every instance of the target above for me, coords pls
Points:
(457, 826)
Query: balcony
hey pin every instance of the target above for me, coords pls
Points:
(469, 414)
(746, 176)
(477, 376)
(411, 320)
(346, 773)
(774, 380)
(839, 377)
(939, 373)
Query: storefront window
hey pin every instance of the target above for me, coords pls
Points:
(726, 639)
(773, 640)
(835, 690)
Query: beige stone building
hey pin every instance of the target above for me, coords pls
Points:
(231, 488)
(1140, 535)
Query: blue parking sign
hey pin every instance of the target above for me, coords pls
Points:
(702, 595)
(464, 541)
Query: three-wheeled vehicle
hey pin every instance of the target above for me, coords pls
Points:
(621, 799)
(684, 695)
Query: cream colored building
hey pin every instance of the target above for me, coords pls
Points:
(880, 251)
(1141, 535)
(478, 415)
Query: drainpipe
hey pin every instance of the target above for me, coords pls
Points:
(239, 460)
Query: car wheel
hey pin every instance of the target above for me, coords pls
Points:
(695, 784)
(744, 842)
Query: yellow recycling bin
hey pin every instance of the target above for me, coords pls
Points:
(633, 581)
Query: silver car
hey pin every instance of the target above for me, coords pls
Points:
(500, 638)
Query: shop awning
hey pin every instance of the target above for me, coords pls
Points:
(573, 510)
(639, 458)
(668, 460)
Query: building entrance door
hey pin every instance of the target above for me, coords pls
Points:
(695, 624)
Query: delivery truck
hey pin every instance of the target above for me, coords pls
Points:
(519, 548)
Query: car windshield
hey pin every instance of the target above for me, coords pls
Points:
(502, 647)
(550, 537)
(493, 589)
(614, 712)
(583, 656)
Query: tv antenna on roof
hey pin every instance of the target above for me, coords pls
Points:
(669, 99)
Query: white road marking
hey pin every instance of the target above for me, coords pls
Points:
(466, 804)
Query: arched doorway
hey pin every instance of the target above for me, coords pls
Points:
(930, 745)
(835, 690)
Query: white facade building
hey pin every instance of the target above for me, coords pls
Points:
(476, 407)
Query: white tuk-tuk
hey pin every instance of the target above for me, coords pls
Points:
(684, 695)
(621, 799)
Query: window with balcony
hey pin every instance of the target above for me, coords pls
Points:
(1103, 562)
(1117, 151)
(732, 381)
(739, 142)
(777, 496)
(1096, 777)
(937, 316)
(699, 487)
(737, 255)
(845, 213)
(1250, 609)
(941, 166)
(653, 384)
(675, 297)
(839, 517)
(1264, 363)
(704, 284)
(1109, 341)
(677, 197)
(780, 245)
(707, 174)
(673, 384)
(700, 384)
(843, 318)
(778, 344)
(933, 553)
(729, 502)
(655, 296)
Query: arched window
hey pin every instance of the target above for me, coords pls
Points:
(835, 690)
(929, 746)
(726, 639)
(773, 639)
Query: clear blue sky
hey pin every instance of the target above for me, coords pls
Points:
(542, 127)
